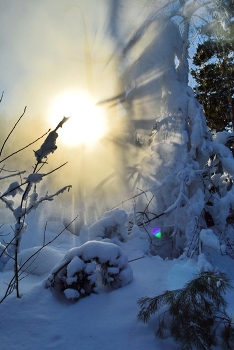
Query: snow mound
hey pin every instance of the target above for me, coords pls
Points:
(36, 263)
(181, 273)
(209, 239)
(111, 225)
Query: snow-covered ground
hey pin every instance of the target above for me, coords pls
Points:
(44, 319)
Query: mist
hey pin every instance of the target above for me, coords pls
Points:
(51, 47)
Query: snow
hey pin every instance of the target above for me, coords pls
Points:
(203, 264)
(42, 319)
(48, 146)
(71, 293)
(13, 189)
(111, 224)
(117, 274)
(34, 178)
(209, 239)
(74, 266)
(42, 262)
(47, 319)
(180, 273)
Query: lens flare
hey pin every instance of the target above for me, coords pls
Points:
(156, 231)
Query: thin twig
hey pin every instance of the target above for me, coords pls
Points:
(156, 217)
(21, 149)
(128, 199)
(7, 170)
(12, 128)
(27, 182)
(50, 172)
(46, 244)
(44, 235)
(11, 175)
(1, 97)
(141, 257)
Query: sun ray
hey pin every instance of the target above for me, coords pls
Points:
(87, 123)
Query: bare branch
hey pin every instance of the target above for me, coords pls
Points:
(15, 174)
(12, 128)
(7, 170)
(31, 143)
(1, 97)
(50, 172)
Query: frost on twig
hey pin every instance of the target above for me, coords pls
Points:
(34, 202)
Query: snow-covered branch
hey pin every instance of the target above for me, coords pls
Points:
(34, 202)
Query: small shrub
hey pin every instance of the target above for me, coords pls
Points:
(76, 274)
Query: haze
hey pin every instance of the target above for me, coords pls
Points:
(49, 48)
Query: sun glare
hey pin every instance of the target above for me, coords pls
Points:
(87, 123)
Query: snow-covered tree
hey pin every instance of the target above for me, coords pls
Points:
(187, 169)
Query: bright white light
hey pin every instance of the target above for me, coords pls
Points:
(87, 123)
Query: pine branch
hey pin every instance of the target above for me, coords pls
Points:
(197, 312)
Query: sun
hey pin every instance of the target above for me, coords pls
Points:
(87, 123)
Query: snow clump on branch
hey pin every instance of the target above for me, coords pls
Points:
(49, 145)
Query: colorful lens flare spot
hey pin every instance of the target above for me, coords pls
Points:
(157, 232)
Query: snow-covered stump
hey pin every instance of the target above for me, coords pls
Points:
(76, 274)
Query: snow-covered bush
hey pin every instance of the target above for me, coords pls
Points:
(116, 226)
(76, 274)
(112, 225)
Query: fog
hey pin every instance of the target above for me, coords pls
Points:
(51, 47)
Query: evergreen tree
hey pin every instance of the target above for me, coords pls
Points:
(214, 75)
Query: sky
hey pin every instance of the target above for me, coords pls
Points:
(42, 44)
(42, 58)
